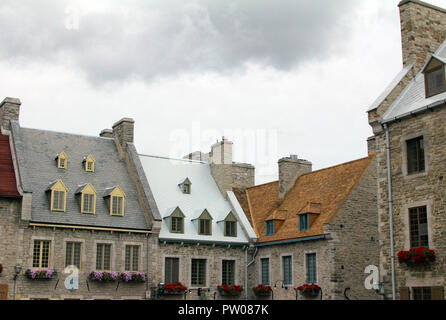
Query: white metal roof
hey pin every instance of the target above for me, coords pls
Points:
(413, 98)
(163, 175)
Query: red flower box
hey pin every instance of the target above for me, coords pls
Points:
(172, 288)
(230, 290)
(262, 290)
(309, 289)
(417, 256)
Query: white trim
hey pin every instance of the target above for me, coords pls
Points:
(406, 221)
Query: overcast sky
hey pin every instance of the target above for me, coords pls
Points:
(277, 77)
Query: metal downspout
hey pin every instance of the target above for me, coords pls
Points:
(247, 266)
(390, 200)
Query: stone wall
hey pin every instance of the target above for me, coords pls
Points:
(289, 170)
(428, 189)
(55, 288)
(213, 254)
(297, 251)
(11, 249)
(354, 239)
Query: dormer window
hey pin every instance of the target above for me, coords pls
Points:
(89, 164)
(434, 77)
(177, 221)
(185, 186)
(58, 198)
(88, 198)
(205, 224)
(230, 225)
(115, 198)
(304, 222)
(62, 160)
(270, 227)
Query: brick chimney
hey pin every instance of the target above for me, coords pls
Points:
(123, 131)
(9, 110)
(290, 169)
(423, 30)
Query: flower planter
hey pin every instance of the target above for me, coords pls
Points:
(133, 277)
(103, 276)
(40, 274)
(309, 290)
(262, 291)
(230, 290)
(417, 256)
(170, 289)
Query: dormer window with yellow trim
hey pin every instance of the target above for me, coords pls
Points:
(89, 164)
(116, 201)
(87, 198)
(58, 198)
(62, 160)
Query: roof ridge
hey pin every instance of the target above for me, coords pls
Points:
(263, 184)
(68, 133)
(168, 158)
(371, 155)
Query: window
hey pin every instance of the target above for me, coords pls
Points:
(422, 293)
(311, 268)
(228, 272)
(287, 271)
(103, 257)
(205, 227)
(264, 271)
(117, 206)
(58, 196)
(270, 227)
(171, 270)
(230, 225)
(435, 83)
(89, 164)
(185, 186)
(116, 200)
(198, 273)
(304, 222)
(131, 258)
(73, 254)
(41, 254)
(88, 198)
(419, 236)
(415, 155)
(62, 160)
(176, 224)
(205, 224)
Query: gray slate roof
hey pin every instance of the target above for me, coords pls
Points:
(413, 98)
(36, 150)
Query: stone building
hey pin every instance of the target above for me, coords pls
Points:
(205, 237)
(10, 206)
(315, 227)
(81, 205)
(409, 125)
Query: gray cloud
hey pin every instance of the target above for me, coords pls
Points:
(152, 39)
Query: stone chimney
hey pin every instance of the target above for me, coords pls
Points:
(290, 169)
(423, 30)
(123, 131)
(9, 110)
(221, 152)
(106, 133)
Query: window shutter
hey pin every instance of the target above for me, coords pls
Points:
(404, 293)
(437, 293)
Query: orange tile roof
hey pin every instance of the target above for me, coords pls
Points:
(321, 193)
